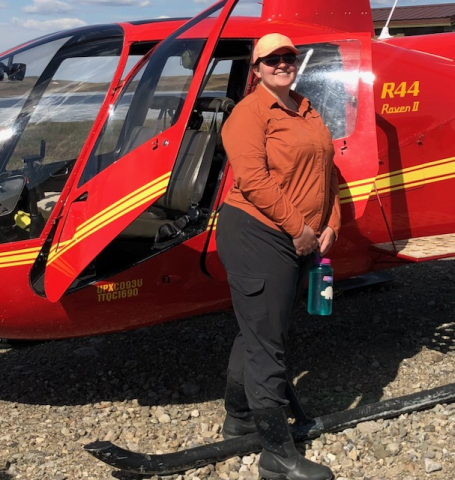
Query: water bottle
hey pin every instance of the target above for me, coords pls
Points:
(320, 287)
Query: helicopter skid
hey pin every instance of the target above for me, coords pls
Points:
(169, 463)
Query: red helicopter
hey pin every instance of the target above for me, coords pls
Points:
(112, 169)
(112, 172)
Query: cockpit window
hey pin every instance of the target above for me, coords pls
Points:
(50, 95)
(329, 77)
(67, 109)
(14, 94)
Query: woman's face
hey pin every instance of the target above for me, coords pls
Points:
(277, 77)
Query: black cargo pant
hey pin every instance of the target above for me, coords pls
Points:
(267, 279)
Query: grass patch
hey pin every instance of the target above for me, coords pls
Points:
(64, 141)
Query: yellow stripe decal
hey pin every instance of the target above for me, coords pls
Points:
(410, 177)
(25, 256)
(416, 176)
(66, 268)
(123, 206)
(212, 221)
(356, 191)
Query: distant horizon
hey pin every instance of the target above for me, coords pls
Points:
(25, 20)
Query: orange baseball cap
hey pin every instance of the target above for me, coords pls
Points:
(270, 43)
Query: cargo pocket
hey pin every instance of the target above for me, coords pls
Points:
(247, 295)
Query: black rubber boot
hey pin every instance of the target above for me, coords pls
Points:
(279, 459)
(239, 419)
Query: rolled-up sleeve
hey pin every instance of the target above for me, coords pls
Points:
(244, 139)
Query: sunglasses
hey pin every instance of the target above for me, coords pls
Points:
(275, 59)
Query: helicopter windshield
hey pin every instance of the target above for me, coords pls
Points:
(50, 95)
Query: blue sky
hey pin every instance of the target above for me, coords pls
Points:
(23, 20)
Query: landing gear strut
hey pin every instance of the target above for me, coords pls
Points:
(170, 463)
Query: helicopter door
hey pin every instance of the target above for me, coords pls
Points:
(130, 165)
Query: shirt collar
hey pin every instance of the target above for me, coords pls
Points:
(270, 101)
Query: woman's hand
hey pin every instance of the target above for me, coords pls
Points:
(307, 242)
(326, 240)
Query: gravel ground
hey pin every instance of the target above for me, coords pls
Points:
(160, 389)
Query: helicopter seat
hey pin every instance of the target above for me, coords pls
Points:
(186, 185)
(179, 205)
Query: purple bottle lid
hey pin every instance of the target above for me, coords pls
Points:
(325, 261)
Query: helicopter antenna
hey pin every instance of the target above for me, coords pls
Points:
(385, 31)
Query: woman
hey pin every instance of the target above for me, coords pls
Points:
(283, 207)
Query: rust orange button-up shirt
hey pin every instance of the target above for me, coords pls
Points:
(282, 162)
